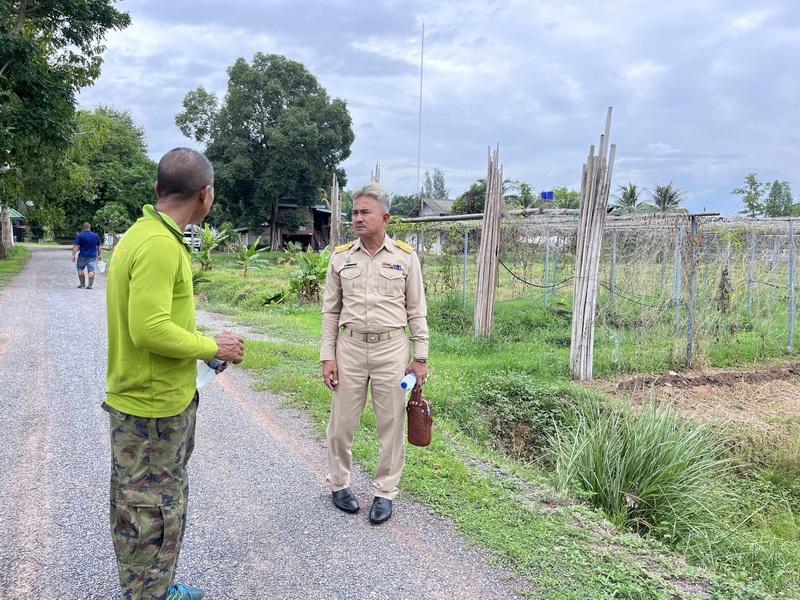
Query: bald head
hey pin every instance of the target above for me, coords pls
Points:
(183, 172)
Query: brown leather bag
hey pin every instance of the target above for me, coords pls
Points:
(420, 419)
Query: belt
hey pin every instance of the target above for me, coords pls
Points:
(373, 337)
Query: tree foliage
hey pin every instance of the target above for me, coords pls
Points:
(435, 186)
(402, 206)
(276, 135)
(666, 198)
(752, 192)
(628, 196)
(107, 164)
(566, 198)
(472, 200)
(779, 202)
(49, 49)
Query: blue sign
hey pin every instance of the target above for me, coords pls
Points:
(548, 196)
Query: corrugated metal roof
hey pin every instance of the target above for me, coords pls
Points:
(16, 216)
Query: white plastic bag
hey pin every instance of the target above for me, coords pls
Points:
(101, 265)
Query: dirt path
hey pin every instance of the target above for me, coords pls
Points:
(261, 524)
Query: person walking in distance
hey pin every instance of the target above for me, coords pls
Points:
(373, 292)
(86, 252)
(151, 399)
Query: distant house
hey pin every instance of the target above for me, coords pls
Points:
(433, 207)
(19, 225)
(315, 230)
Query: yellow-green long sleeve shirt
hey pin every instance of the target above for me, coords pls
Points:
(153, 347)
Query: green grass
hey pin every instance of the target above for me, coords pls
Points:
(484, 471)
(13, 264)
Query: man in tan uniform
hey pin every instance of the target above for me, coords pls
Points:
(373, 292)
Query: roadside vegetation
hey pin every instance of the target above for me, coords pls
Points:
(15, 261)
(576, 490)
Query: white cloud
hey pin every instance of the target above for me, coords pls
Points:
(534, 75)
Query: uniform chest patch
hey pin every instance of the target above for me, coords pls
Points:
(393, 266)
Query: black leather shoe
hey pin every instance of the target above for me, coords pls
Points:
(344, 500)
(381, 510)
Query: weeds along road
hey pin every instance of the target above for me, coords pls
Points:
(261, 523)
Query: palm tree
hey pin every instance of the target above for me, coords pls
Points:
(628, 196)
(666, 198)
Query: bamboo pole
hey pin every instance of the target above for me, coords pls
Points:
(595, 187)
(490, 247)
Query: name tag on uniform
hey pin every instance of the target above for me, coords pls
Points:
(349, 265)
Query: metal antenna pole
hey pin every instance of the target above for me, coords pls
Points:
(419, 134)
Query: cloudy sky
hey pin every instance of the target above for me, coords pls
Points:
(704, 91)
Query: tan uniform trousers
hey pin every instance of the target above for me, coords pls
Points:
(380, 366)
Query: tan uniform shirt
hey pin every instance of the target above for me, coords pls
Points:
(372, 294)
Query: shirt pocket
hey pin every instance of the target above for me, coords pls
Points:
(351, 279)
(391, 282)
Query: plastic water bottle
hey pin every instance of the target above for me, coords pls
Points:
(206, 371)
(409, 381)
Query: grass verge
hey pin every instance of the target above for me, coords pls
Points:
(14, 263)
(474, 475)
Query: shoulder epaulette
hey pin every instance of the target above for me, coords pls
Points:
(344, 247)
(403, 246)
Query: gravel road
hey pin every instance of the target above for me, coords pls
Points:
(261, 523)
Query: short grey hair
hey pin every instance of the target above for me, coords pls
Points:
(377, 191)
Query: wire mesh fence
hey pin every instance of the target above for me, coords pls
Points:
(671, 295)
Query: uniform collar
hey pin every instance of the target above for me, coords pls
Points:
(388, 244)
(149, 212)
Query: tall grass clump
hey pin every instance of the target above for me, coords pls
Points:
(651, 472)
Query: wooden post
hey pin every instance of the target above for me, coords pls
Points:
(595, 187)
(489, 254)
(336, 214)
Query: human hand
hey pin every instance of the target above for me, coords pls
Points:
(73, 258)
(420, 369)
(330, 374)
(230, 347)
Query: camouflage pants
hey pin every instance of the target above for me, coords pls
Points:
(149, 494)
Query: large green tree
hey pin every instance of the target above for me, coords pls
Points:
(276, 135)
(104, 177)
(402, 206)
(49, 49)
(752, 192)
(471, 201)
(435, 186)
(779, 201)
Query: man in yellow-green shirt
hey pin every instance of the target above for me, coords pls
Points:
(153, 349)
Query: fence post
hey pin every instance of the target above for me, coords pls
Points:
(750, 267)
(555, 263)
(773, 265)
(791, 286)
(466, 264)
(546, 266)
(676, 279)
(613, 278)
(692, 292)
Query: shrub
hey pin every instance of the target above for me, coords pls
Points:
(651, 471)
(522, 412)
(307, 281)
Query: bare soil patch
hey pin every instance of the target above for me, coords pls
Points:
(765, 399)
